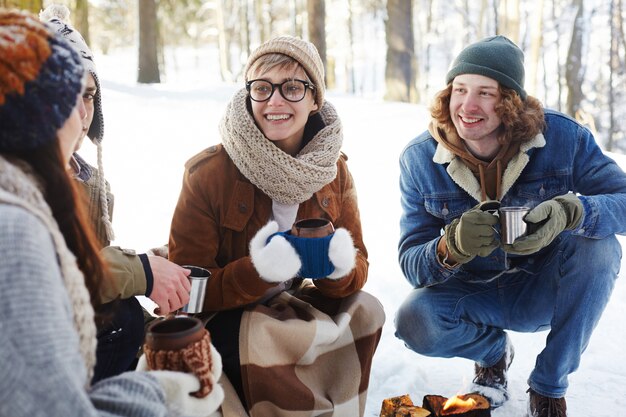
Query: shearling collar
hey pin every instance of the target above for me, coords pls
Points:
(464, 178)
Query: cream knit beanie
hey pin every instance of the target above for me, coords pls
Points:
(304, 52)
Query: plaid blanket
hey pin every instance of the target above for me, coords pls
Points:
(308, 355)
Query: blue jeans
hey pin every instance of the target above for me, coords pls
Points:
(120, 335)
(466, 318)
(224, 330)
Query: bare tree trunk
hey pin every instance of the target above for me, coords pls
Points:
(620, 23)
(81, 19)
(224, 43)
(400, 65)
(33, 6)
(546, 86)
(573, 68)
(482, 19)
(244, 21)
(467, 22)
(261, 14)
(293, 15)
(509, 19)
(148, 71)
(427, 57)
(619, 130)
(614, 69)
(316, 12)
(535, 49)
(350, 64)
(301, 10)
(558, 58)
(495, 17)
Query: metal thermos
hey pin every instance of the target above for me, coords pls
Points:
(198, 278)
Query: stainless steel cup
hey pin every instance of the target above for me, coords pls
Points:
(198, 278)
(512, 223)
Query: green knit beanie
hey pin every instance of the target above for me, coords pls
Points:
(495, 57)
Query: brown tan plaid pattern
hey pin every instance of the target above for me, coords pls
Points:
(307, 355)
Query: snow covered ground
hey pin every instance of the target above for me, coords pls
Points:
(150, 131)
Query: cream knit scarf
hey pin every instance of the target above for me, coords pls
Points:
(285, 179)
(19, 187)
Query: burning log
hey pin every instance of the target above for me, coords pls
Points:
(467, 405)
(402, 406)
(411, 411)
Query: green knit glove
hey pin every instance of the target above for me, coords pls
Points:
(472, 234)
(548, 220)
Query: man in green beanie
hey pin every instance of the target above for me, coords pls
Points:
(488, 145)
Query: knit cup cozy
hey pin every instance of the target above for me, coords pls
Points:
(195, 358)
(313, 252)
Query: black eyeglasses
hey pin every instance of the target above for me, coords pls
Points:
(291, 90)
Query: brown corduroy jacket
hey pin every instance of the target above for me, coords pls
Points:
(218, 213)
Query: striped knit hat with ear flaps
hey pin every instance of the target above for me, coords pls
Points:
(304, 52)
(41, 76)
(57, 16)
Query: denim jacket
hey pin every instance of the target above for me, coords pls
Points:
(437, 187)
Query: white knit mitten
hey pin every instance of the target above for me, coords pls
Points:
(342, 253)
(276, 261)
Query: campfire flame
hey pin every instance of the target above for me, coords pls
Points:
(459, 405)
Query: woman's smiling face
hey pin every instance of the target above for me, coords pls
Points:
(282, 121)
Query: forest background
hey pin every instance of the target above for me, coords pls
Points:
(153, 128)
(397, 50)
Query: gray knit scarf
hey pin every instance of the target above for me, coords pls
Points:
(284, 178)
(19, 187)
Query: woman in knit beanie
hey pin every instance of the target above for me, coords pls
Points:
(51, 269)
(280, 161)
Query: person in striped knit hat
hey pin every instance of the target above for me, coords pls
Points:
(132, 274)
(51, 268)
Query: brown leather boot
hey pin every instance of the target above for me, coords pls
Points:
(540, 406)
(491, 382)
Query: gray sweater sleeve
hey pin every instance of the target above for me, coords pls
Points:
(41, 370)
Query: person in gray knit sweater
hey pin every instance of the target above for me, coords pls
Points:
(50, 268)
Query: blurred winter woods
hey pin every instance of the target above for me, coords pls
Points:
(398, 50)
